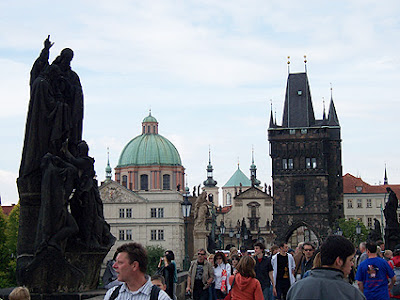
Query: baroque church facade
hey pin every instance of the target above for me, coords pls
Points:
(143, 203)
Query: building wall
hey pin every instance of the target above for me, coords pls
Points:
(168, 218)
(365, 207)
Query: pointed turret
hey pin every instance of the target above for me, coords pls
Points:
(385, 179)
(210, 182)
(298, 109)
(271, 119)
(253, 171)
(333, 119)
(108, 168)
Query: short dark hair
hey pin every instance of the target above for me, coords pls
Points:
(281, 245)
(243, 249)
(259, 244)
(335, 246)
(136, 252)
(158, 277)
(309, 244)
(371, 247)
(379, 242)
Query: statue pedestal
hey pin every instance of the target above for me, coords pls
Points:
(200, 240)
(392, 237)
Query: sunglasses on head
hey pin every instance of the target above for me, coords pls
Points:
(201, 254)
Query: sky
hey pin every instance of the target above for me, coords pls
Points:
(209, 71)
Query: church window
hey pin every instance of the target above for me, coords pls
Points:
(161, 213)
(349, 203)
(148, 128)
(166, 182)
(299, 194)
(284, 164)
(121, 235)
(129, 212)
(303, 130)
(161, 234)
(153, 234)
(129, 234)
(308, 163)
(124, 180)
(144, 129)
(292, 131)
(144, 182)
(369, 203)
(359, 203)
(290, 160)
(118, 175)
(253, 212)
(153, 213)
(369, 222)
(228, 199)
(122, 213)
(314, 162)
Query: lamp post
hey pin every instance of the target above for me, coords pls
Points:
(358, 232)
(238, 237)
(186, 208)
(222, 230)
(245, 236)
(231, 234)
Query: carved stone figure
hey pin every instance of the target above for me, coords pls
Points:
(390, 210)
(375, 234)
(201, 211)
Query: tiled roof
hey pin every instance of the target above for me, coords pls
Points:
(238, 178)
(7, 209)
(355, 185)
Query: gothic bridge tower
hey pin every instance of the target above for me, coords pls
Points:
(306, 165)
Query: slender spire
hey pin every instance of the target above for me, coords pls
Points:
(323, 112)
(288, 64)
(305, 63)
(210, 182)
(385, 179)
(108, 168)
(253, 170)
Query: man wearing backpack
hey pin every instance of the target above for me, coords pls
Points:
(395, 265)
(131, 266)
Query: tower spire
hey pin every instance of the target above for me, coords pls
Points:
(271, 118)
(333, 119)
(209, 182)
(323, 112)
(288, 64)
(253, 170)
(385, 179)
(108, 167)
(305, 63)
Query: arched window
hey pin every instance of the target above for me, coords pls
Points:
(166, 182)
(228, 199)
(144, 182)
(125, 180)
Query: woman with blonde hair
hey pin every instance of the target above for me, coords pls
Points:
(244, 285)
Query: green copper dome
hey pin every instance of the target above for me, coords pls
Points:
(238, 178)
(149, 118)
(149, 149)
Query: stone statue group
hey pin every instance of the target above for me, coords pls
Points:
(60, 201)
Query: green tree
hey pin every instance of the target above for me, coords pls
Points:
(5, 256)
(12, 230)
(153, 254)
(349, 230)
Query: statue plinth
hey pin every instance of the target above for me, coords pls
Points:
(199, 240)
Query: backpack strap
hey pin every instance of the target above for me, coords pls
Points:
(115, 293)
(155, 290)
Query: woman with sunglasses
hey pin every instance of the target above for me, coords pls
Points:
(222, 271)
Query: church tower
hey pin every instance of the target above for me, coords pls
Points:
(306, 164)
(210, 185)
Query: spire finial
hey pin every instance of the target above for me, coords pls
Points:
(385, 179)
(209, 154)
(108, 167)
(331, 90)
(252, 154)
(150, 111)
(238, 162)
(323, 113)
(288, 64)
(305, 62)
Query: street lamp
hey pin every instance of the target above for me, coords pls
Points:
(222, 230)
(186, 208)
(358, 232)
(231, 235)
(238, 237)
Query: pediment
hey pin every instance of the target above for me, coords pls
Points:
(113, 192)
(252, 193)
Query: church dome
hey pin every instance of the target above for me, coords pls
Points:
(149, 148)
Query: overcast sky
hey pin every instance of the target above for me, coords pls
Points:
(208, 70)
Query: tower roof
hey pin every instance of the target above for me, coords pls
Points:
(298, 110)
(238, 178)
(333, 119)
(149, 119)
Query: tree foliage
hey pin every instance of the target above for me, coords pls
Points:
(349, 230)
(153, 254)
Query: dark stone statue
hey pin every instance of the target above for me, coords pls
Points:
(63, 237)
(392, 229)
(375, 234)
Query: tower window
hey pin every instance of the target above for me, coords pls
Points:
(308, 163)
(299, 92)
(125, 180)
(228, 199)
(290, 160)
(314, 162)
(166, 182)
(144, 182)
(284, 164)
(299, 194)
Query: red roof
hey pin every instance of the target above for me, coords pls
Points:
(7, 209)
(355, 185)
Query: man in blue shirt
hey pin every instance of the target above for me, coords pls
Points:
(372, 275)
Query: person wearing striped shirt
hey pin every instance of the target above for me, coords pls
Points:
(131, 266)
